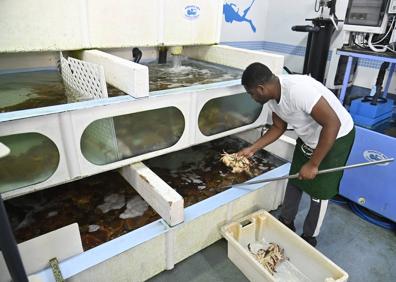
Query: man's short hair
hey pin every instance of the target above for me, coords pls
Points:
(256, 74)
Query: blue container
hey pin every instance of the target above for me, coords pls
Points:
(365, 114)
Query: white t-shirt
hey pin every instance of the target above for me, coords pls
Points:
(299, 94)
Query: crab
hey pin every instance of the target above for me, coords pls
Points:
(237, 163)
(270, 258)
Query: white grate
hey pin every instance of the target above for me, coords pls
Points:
(83, 80)
(103, 134)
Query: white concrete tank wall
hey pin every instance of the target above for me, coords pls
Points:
(39, 25)
(123, 23)
(48, 25)
(192, 22)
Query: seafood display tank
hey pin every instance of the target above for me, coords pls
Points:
(146, 204)
(106, 206)
(85, 180)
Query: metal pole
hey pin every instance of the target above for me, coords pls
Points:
(346, 80)
(389, 79)
(319, 172)
(9, 248)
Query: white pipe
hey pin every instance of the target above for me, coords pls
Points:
(334, 23)
(370, 44)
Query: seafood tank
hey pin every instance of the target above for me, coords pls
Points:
(112, 139)
(33, 159)
(35, 89)
(27, 90)
(190, 72)
(105, 206)
(197, 173)
(131, 135)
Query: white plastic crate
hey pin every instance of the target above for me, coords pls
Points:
(304, 263)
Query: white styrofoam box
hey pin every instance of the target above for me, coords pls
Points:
(305, 262)
(123, 23)
(39, 25)
(191, 22)
(125, 75)
(235, 57)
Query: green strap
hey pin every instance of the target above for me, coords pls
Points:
(56, 270)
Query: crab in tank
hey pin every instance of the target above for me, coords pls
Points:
(238, 163)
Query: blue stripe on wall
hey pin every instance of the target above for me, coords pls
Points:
(283, 48)
(289, 49)
(269, 46)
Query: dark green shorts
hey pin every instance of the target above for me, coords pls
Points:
(324, 186)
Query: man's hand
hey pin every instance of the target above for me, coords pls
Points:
(247, 152)
(308, 171)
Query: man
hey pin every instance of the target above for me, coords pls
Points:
(325, 130)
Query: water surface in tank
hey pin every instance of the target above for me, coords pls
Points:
(42, 88)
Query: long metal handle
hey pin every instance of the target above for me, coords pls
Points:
(319, 172)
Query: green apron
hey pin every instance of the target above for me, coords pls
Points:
(323, 186)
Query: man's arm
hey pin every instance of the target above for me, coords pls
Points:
(323, 114)
(276, 130)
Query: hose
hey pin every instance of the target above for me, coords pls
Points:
(339, 200)
(364, 215)
(136, 54)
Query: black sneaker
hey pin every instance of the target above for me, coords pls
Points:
(290, 225)
(311, 240)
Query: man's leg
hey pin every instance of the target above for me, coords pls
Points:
(290, 205)
(314, 220)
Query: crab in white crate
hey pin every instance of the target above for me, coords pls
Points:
(269, 256)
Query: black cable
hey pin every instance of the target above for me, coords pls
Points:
(287, 70)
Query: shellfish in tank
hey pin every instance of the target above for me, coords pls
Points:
(238, 163)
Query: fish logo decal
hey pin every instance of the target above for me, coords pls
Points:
(372, 155)
(192, 12)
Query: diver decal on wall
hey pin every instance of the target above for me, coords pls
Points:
(231, 13)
